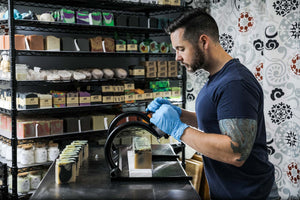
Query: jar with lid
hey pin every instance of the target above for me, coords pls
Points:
(1, 143)
(53, 151)
(4, 147)
(27, 154)
(40, 153)
(23, 185)
(19, 151)
(35, 179)
(8, 152)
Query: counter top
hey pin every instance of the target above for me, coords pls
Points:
(94, 182)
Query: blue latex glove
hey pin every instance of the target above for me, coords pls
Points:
(167, 119)
(157, 102)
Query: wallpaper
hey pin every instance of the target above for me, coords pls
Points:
(265, 36)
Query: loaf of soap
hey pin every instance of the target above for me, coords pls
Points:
(35, 42)
(25, 129)
(109, 44)
(96, 44)
(52, 43)
(42, 128)
(142, 153)
(68, 44)
(82, 44)
(19, 42)
(56, 126)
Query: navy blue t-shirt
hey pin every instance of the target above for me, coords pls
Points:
(233, 92)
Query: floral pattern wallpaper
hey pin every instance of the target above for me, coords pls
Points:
(265, 36)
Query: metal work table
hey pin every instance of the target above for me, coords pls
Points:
(94, 181)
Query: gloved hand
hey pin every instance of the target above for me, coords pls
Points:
(157, 102)
(167, 119)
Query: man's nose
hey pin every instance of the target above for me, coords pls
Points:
(178, 56)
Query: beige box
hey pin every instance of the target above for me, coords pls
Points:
(172, 65)
(173, 74)
(107, 99)
(166, 93)
(175, 2)
(162, 65)
(139, 97)
(149, 64)
(156, 94)
(162, 74)
(129, 86)
(148, 95)
(151, 74)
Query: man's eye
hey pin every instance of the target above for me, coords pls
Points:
(180, 49)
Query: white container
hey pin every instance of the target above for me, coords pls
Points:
(35, 179)
(8, 152)
(27, 155)
(23, 183)
(53, 151)
(41, 154)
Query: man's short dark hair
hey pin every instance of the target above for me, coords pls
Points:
(195, 23)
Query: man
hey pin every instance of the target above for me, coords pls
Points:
(231, 133)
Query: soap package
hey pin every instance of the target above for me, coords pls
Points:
(108, 19)
(67, 16)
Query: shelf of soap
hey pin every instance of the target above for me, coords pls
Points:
(60, 27)
(9, 163)
(100, 4)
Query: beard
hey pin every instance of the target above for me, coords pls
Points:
(197, 61)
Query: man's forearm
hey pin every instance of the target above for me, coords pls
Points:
(189, 118)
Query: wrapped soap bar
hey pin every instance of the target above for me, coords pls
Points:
(46, 17)
(133, 21)
(96, 97)
(132, 45)
(84, 99)
(164, 47)
(120, 45)
(144, 46)
(52, 43)
(109, 45)
(25, 129)
(136, 71)
(72, 99)
(35, 42)
(82, 17)
(95, 18)
(45, 100)
(59, 99)
(96, 44)
(27, 101)
(108, 19)
(82, 44)
(142, 153)
(67, 16)
(68, 44)
(154, 48)
(2, 42)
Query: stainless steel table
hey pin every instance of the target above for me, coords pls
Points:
(94, 182)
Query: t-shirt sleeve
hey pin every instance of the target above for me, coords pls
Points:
(238, 99)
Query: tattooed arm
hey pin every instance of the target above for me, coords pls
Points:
(233, 146)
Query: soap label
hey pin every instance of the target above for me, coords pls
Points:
(72, 100)
(129, 97)
(107, 88)
(45, 103)
(28, 101)
(137, 72)
(129, 86)
(132, 47)
(108, 99)
(120, 47)
(85, 99)
(96, 98)
(139, 97)
(59, 100)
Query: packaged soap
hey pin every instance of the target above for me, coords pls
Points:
(67, 16)
(108, 19)
(82, 17)
(95, 18)
(96, 44)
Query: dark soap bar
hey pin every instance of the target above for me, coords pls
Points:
(83, 44)
(71, 124)
(121, 20)
(85, 123)
(133, 21)
(152, 22)
(143, 21)
(68, 44)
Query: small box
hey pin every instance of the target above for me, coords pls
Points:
(129, 86)
(173, 74)
(175, 2)
(151, 75)
(162, 65)
(59, 99)
(45, 100)
(162, 74)
(98, 122)
(108, 97)
(148, 95)
(156, 94)
(72, 99)
(139, 97)
(172, 66)
(136, 71)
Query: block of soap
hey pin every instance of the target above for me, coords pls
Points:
(142, 153)
(35, 42)
(82, 44)
(52, 43)
(82, 17)
(56, 126)
(42, 128)
(96, 44)
(25, 129)
(67, 16)
(143, 21)
(109, 44)
(2, 41)
(71, 124)
(108, 19)
(85, 123)
(19, 42)
(95, 18)
(68, 44)
(121, 20)
(65, 171)
(133, 21)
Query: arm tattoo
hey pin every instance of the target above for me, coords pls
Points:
(241, 131)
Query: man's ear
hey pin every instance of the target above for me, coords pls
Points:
(203, 41)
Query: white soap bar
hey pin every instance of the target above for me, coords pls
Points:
(52, 43)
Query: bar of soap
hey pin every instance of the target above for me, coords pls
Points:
(35, 42)
(82, 44)
(67, 16)
(96, 44)
(65, 171)
(68, 44)
(82, 17)
(108, 19)
(95, 18)
(142, 153)
(109, 44)
(52, 43)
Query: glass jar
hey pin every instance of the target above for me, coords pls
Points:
(53, 151)
(23, 185)
(4, 147)
(40, 153)
(27, 154)
(19, 152)
(8, 152)
(35, 179)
